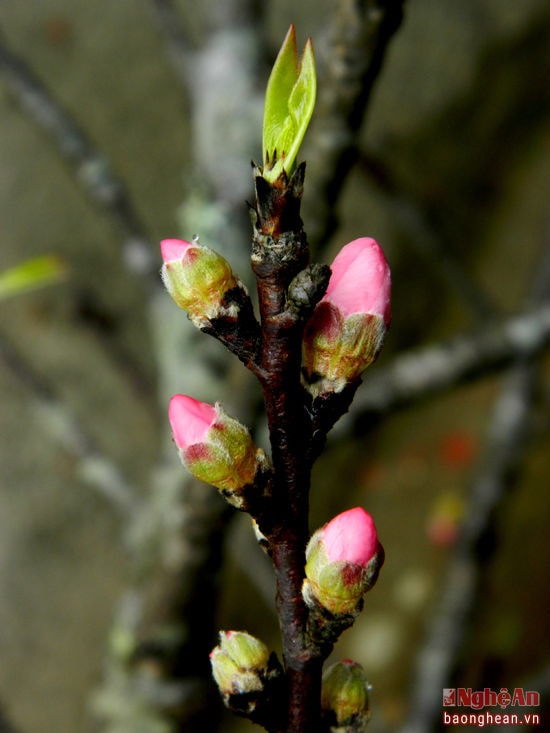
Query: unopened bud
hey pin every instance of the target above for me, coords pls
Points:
(345, 697)
(343, 560)
(346, 331)
(239, 663)
(197, 278)
(215, 447)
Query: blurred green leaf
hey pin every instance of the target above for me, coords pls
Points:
(289, 102)
(32, 274)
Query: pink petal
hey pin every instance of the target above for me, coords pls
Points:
(351, 537)
(361, 280)
(174, 249)
(190, 420)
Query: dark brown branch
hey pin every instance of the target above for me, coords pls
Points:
(276, 260)
(288, 290)
(240, 334)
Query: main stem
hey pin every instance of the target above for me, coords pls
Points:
(289, 431)
(278, 255)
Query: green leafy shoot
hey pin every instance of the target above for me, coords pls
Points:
(289, 103)
(31, 274)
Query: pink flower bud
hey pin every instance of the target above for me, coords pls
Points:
(190, 420)
(346, 331)
(197, 278)
(361, 280)
(214, 447)
(351, 537)
(343, 560)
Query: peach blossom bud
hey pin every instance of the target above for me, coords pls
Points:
(197, 278)
(343, 559)
(214, 447)
(346, 331)
(345, 697)
(239, 663)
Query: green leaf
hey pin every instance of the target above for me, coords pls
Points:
(32, 274)
(289, 103)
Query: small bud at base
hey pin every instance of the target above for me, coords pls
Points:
(239, 663)
(344, 695)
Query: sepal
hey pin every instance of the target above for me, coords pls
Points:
(337, 350)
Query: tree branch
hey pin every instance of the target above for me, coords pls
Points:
(276, 260)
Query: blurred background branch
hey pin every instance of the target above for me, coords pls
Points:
(447, 175)
(509, 432)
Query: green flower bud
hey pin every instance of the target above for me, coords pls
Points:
(197, 278)
(239, 663)
(345, 697)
